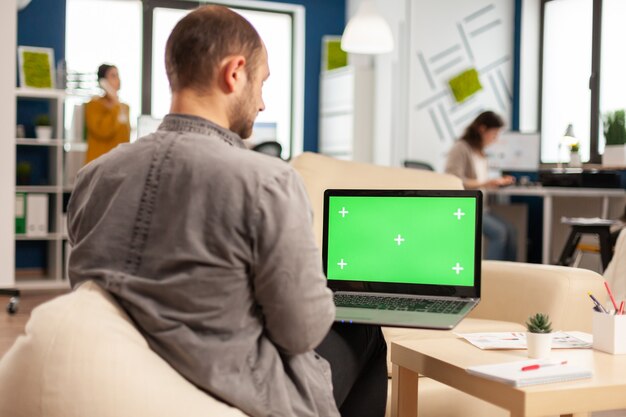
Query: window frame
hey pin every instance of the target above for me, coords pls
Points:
(297, 13)
(594, 78)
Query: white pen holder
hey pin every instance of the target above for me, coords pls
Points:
(609, 333)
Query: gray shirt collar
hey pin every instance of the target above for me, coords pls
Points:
(195, 124)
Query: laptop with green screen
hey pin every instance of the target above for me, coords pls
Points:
(408, 258)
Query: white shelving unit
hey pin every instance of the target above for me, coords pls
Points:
(8, 40)
(346, 113)
(54, 274)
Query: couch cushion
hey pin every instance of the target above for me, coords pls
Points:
(322, 172)
(512, 291)
(82, 356)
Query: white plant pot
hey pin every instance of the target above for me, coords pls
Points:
(614, 156)
(574, 160)
(539, 345)
(43, 132)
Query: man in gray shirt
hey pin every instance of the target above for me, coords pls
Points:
(208, 246)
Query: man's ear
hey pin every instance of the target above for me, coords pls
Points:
(233, 72)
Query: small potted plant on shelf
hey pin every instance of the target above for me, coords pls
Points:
(574, 155)
(615, 135)
(539, 336)
(23, 172)
(43, 128)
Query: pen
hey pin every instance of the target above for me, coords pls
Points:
(597, 303)
(608, 289)
(541, 365)
(621, 308)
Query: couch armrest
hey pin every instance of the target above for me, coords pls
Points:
(83, 356)
(512, 291)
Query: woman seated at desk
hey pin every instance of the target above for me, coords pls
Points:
(467, 161)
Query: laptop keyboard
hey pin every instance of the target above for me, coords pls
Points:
(399, 303)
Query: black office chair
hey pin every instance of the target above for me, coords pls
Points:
(270, 147)
(14, 301)
(418, 165)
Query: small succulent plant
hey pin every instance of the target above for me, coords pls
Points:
(539, 323)
(42, 120)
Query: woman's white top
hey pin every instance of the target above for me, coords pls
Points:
(480, 167)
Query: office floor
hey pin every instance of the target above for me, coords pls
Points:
(13, 326)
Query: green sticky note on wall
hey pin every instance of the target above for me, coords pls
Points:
(333, 56)
(465, 85)
(37, 72)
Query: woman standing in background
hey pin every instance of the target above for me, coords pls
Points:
(467, 161)
(106, 118)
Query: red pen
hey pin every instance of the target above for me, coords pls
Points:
(541, 365)
(608, 289)
(621, 308)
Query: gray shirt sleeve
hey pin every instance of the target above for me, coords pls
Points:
(289, 284)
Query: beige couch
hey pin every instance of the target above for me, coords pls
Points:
(82, 356)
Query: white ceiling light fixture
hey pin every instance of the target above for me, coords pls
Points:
(367, 32)
(21, 4)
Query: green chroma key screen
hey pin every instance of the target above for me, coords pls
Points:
(415, 240)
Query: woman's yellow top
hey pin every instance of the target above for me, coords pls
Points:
(107, 126)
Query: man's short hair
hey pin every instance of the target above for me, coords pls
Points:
(202, 39)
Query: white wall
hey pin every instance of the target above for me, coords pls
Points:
(8, 40)
(390, 81)
(405, 127)
(448, 38)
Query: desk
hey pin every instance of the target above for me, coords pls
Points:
(446, 359)
(547, 194)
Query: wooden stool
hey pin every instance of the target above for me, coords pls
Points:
(582, 248)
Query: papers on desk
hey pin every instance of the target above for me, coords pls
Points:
(517, 340)
(531, 372)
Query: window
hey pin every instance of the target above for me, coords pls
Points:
(280, 26)
(613, 66)
(106, 31)
(164, 21)
(582, 73)
(566, 98)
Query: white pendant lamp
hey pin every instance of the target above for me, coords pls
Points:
(367, 32)
(21, 4)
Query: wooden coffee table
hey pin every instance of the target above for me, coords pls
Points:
(445, 360)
